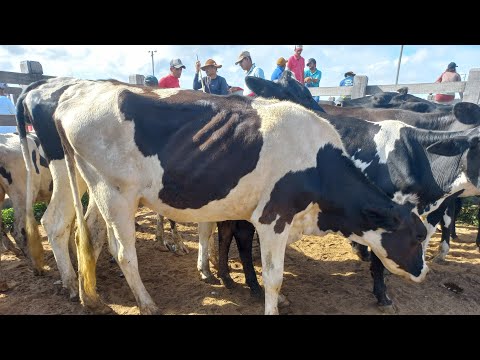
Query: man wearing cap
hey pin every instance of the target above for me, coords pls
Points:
(151, 81)
(312, 76)
(213, 83)
(6, 108)
(296, 63)
(245, 62)
(281, 63)
(449, 75)
(171, 80)
(348, 80)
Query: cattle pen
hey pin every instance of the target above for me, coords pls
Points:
(32, 71)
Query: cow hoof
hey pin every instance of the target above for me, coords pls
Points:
(74, 298)
(257, 293)
(99, 308)
(388, 309)
(179, 249)
(163, 248)
(3, 286)
(212, 280)
(283, 301)
(439, 259)
(150, 310)
(455, 238)
(228, 282)
(38, 272)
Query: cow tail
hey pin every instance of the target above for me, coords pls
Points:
(31, 235)
(85, 254)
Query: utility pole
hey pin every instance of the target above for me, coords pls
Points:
(399, 62)
(153, 67)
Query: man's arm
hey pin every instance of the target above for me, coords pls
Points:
(196, 82)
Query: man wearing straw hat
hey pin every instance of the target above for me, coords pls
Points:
(213, 83)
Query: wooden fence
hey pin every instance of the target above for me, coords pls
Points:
(470, 88)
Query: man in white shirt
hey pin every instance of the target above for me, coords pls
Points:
(245, 62)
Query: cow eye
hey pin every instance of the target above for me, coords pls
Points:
(420, 238)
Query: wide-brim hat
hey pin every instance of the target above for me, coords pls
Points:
(210, 62)
(349, 73)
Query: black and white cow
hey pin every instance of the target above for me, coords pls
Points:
(13, 182)
(394, 156)
(198, 157)
(463, 116)
(400, 100)
(57, 220)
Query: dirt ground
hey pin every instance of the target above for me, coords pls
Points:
(322, 276)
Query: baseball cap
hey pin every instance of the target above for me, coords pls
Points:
(177, 63)
(242, 55)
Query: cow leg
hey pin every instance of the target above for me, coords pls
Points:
(121, 241)
(272, 248)
(244, 232)
(448, 221)
(58, 222)
(477, 241)
(379, 287)
(178, 247)
(159, 232)
(360, 250)
(225, 236)
(3, 282)
(205, 232)
(458, 208)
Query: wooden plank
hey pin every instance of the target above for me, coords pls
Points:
(472, 89)
(359, 88)
(21, 79)
(334, 91)
(421, 88)
(8, 120)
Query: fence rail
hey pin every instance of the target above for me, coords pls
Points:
(470, 88)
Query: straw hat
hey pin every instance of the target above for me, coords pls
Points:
(210, 62)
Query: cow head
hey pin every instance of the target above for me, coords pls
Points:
(467, 147)
(467, 113)
(400, 246)
(286, 88)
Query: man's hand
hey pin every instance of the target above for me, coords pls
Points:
(197, 66)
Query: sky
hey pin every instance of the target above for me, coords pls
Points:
(420, 63)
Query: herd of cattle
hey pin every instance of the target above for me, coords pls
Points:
(383, 171)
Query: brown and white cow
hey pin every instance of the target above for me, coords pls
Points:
(197, 157)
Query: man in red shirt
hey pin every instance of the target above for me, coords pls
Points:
(171, 80)
(296, 63)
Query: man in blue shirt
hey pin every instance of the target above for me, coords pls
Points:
(281, 63)
(313, 76)
(213, 83)
(348, 81)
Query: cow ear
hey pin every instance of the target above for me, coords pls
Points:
(383, 218)
(450, 147)
(403, 90)
(467, 113)
(260, 86)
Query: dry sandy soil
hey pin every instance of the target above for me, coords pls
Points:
(322, 276)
